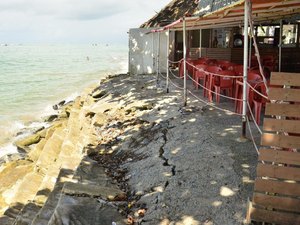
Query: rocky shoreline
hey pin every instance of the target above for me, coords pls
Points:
(125, 152)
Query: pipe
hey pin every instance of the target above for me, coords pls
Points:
(168, 46)
(184, 63)
(245, 72)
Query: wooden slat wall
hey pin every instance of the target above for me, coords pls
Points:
(194, 53)
(237, 55)
(276, 197)
(217, 53)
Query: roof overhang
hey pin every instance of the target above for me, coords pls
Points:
(266, 11)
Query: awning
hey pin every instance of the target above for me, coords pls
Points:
(266, 11)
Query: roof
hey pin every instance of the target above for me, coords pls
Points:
(208, 6)
(175, 10)
(233, 15)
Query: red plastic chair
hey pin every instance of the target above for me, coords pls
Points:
(269, 62)
(199, 75)
(180, 69)
(253, 79)
(209, 80)
(253, 75)
(212, 62)
(223, 83)
(226, 65)
(189, 65)
(196, 63)
(259, 101)
(238, 69)
(189, 68)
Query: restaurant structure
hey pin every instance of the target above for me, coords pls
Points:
(250, 48)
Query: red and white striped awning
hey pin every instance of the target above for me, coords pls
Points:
(263, 11)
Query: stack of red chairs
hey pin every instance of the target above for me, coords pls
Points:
(199, 74)
(224, 83)
(254, 78)
(258, 100)
(226, 65)
(209, 80)
(200, 61)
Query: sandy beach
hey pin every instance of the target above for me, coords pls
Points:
(127, 152)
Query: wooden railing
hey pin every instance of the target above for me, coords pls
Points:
(276, 197)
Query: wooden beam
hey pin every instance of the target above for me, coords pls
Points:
(261, 215)
(285, 94)
(278, 172)
(277, 187)
(277, 202)
(278, 156)
(283, 78)
(276, 109)
(281, 125)
(280, 140)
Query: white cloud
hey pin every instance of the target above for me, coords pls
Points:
(73, 20)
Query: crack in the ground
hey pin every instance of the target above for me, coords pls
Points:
(162, 150)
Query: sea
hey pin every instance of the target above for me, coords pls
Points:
(33, 78)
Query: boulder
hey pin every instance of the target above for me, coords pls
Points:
(98, 93)
(50, 118)
(23, 144)
(58, 105)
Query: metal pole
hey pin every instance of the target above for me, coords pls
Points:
(157, 59)
(245, 97)
(280, 46)
(168, 46)
(153, 58)
(129, 55)
(250, 50)
(200, 53)
(184, 63)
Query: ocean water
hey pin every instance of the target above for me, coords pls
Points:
(35, 77)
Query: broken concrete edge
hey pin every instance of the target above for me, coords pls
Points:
(111, 194)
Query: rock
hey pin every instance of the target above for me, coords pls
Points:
(90, 114)
(66, 110)
(5, 220)
(99, 119)
(38, 129)
(61, 103)
(58, 105)
(29, 130)
(27, 141)
(50, 118)
(13, 157)
(98, 93)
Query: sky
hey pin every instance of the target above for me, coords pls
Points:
(73, 21)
